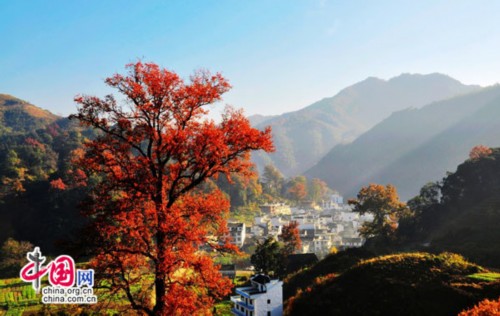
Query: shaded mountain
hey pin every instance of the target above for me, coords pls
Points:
(414, 146)
(303, 137)
(17, 115)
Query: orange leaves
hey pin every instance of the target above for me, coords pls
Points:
(151, 156)
(479, 151)
(484, 308)
(384, 204)
(291, 237)
(58, 184)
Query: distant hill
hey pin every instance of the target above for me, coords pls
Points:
(303, 137)
(17, 115)
(259, 119)
(414, 146)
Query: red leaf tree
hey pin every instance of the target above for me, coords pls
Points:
(480, 151)
(152, 217)
(290, 236)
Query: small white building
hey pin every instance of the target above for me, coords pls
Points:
(238, 233)
(263, 298)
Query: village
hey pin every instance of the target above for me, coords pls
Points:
(323, 229)
(326, 228)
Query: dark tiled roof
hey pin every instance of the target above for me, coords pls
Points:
(261, 279)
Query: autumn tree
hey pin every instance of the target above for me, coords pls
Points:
(150, 215)
(297, 189)
(290, 237)
(479, 151)
(484, 308)
(384, 204)
(318, 189)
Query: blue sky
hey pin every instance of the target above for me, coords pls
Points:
(279, 55)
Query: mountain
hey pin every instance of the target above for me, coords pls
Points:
(414, 146)
(259, 119)
(17, 115)
(303, 137)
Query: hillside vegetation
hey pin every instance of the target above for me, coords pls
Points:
(17, 115)
(461, 216)
(398, 284)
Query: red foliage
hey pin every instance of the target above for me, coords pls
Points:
(483, 308)
(34, 143)
(58, 184)
(480, 151)
(152, 220)
(298, 191)
(290, 236)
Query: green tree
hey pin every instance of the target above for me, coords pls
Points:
(13, 256)
(268, 257)
(13, 174)
(430, 194)
(273, 181)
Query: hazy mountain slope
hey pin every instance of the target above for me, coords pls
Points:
(305, 136)
(259, 119)
(413, 147)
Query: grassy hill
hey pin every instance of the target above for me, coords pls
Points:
(398, 284)
(17, 115)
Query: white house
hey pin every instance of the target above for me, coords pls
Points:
(263, 298)
(237, 232)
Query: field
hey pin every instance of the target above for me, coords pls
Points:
(18, 298)
(489, 276)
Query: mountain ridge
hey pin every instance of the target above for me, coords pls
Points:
(414, 146)
(304, 136)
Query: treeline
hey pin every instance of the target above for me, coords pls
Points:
(32, 205)
(459, 213)
(38, 206)
(272, 187)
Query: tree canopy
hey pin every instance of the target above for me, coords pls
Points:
(150, 218)
(384, 204)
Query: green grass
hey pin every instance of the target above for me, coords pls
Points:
(223, 308)
(486, 276)
(15, 293)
